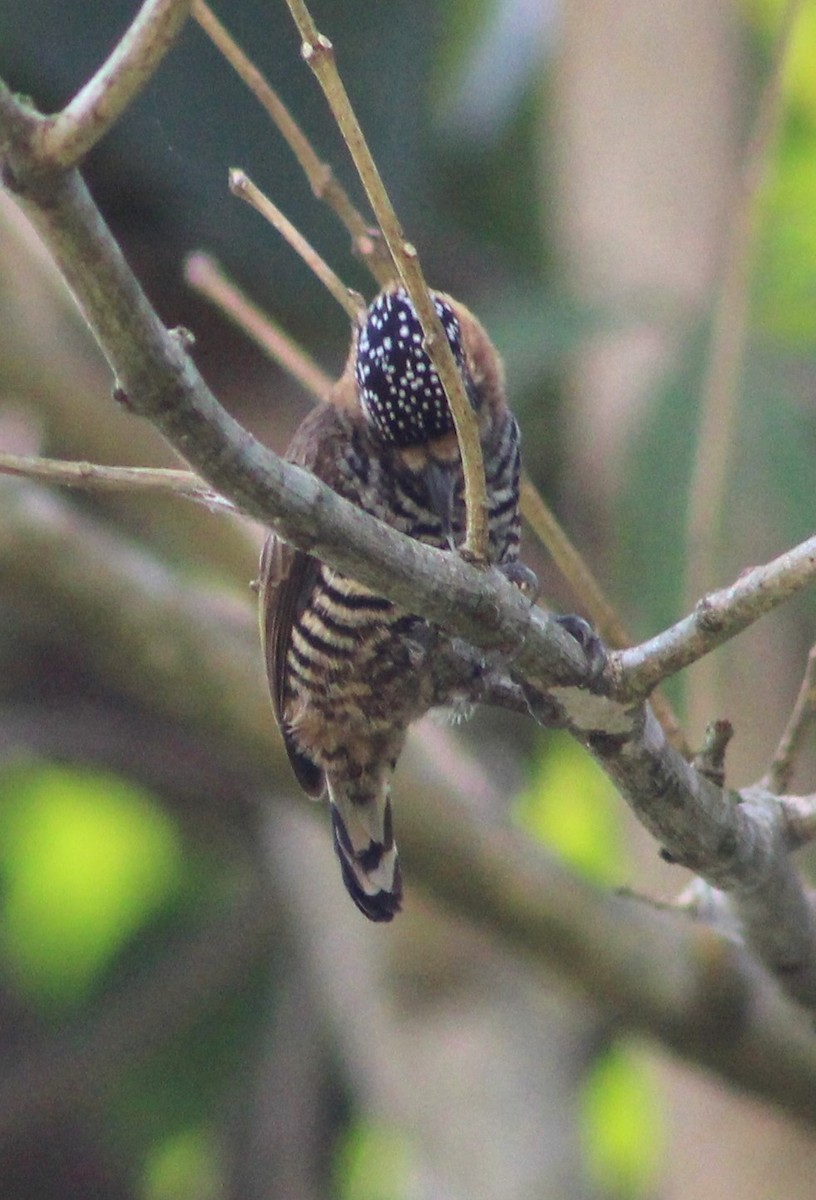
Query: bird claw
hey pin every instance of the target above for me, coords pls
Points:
(587, 639)
(521, 577)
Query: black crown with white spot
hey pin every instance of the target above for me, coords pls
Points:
(400, 391)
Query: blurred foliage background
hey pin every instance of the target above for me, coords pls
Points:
(572, 171)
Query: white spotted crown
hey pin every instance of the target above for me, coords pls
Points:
(400, 392)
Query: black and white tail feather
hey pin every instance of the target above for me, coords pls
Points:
(364, 844)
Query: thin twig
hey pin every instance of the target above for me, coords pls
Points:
(366, 242)
(206, 275)
(800, 721)
(63, 140)
(94, 477)
(716, 618)
(243, 187)
(319, 54)
(720, 391)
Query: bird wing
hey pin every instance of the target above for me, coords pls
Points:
(287, 578)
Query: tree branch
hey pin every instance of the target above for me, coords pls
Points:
(65, 139)
(716, 618)
(366, 242)
(94, 477)
(740, 847)
(242, 186)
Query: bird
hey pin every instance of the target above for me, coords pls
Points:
(348, 669)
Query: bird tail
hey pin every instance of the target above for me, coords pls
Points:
(364, 842)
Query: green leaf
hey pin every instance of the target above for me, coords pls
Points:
(785, 270)
(373, 1162)
(85, 860)
(622, 1125)
(184, 1166)
(800, 78)
(572, 807)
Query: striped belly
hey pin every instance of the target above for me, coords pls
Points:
(352, 687)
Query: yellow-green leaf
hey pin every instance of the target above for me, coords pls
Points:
(571, 806)
(373, 1163)
(622, 1125)
(85, 859)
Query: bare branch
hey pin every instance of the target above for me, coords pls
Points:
(366, 242)
(204, 274)
(716, 618)
(63, 140)
(242, 186)
(93, 477)
(319, 54)
(801, 719)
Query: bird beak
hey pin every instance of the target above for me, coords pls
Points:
(440, 480)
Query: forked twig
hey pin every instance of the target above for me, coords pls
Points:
(366, 243)
(716, 618)
(63, 140)
(204, 274)
(800, 720)
(319, 54)
(243, 187)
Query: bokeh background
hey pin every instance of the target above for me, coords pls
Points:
(189, 1007)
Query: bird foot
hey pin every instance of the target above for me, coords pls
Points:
(521, 577)
(587, 639)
